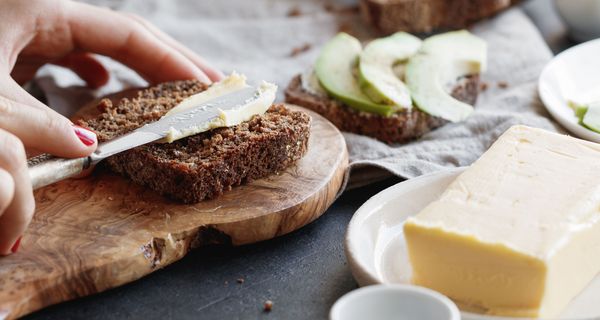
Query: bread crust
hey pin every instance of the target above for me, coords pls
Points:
(388, 16)
(400, 127)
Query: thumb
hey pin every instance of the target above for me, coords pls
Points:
(40, 127)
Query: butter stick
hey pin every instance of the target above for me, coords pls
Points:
(518, 233)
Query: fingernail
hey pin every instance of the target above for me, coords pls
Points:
(15, 246)
(86, 136)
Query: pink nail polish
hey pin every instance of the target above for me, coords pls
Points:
(15, 246)
(86, 136)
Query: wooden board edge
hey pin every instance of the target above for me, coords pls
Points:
(160, 252)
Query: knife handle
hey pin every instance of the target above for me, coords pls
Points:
(46, 169)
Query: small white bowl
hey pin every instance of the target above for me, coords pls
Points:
(394, 302)
(582, 17)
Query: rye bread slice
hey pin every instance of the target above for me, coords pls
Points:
(398, 128)
(205, 165)
(388, 16)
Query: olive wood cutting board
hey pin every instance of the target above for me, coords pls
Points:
(92, 234)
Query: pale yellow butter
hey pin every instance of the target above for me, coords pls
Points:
(518, 233)
(231, 83)
(258, 104)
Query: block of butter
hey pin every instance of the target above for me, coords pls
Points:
(518, 233)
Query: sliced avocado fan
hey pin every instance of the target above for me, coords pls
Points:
(441, 61)
(375, 70)
(579, 109)
(590, 116)
(335, 70)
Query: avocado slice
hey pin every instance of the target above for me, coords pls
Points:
(375, 69)
(335, 70)
(579, 109)
(591, 118)
(441, 60)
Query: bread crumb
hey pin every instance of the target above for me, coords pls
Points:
(294, 12)
(502, 84)
(298, 50)
(268, 306)
(330, 7)
(483, 86)
(240, 280)
(104, 105)
(344, 27)
(110, 199)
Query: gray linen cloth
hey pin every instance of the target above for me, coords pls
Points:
(275, 40)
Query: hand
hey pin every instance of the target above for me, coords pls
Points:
(61, 32)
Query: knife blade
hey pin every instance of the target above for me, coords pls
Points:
(158, 130)
(47, 169)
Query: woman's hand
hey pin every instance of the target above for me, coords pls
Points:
(61, 32)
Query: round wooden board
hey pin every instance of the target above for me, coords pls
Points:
(92, 234)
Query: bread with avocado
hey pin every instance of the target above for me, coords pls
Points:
(395, 89)
(402, 126)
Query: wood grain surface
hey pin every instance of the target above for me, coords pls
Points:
(96, 233)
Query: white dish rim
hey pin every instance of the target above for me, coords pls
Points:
(570, 123)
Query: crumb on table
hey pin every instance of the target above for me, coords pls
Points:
(502, 84)
(294, 12)
(268, 306)
(330, 7)
(298, 50)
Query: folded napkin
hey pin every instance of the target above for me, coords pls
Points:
(275, 40)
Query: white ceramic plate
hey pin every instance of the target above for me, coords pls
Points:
(376, 249)
(572, 75)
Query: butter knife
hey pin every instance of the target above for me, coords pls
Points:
(46, 169)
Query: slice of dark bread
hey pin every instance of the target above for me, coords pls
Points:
(397, 128)
(205, 165)
(388, 16)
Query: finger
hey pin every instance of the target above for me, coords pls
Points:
(32, 152)
(213, 73)
(44, 129)
(106, 32)
(86, 67)
(10, 89)
(7, 190)
(85, 173)
(17, 215)
(25, 69)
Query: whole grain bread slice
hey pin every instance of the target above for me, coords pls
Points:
(205, 165)
(398, 128)
(388, 16)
